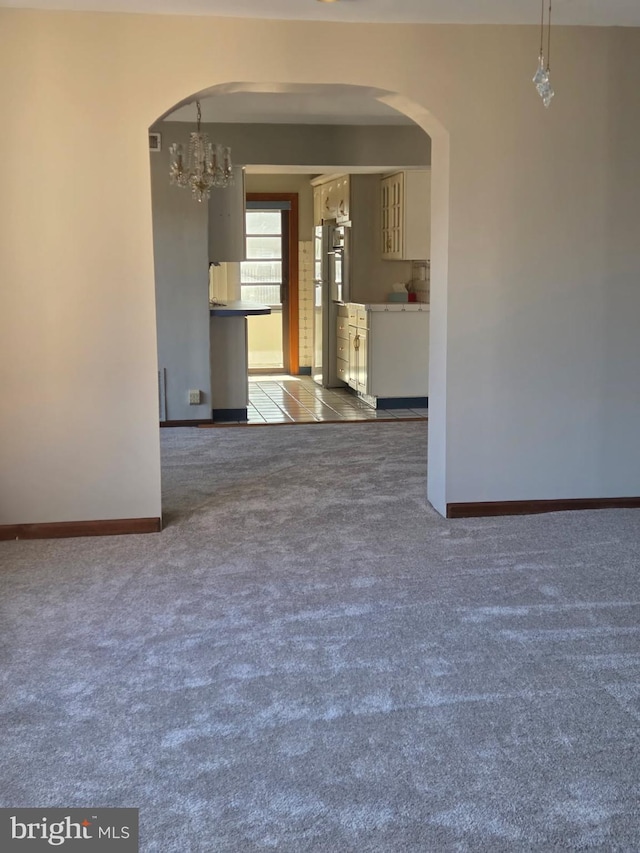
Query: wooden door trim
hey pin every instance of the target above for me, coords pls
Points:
(293, 261)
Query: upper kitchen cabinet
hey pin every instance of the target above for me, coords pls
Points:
(331, 199)
(406, 215)
(317, 206)
(340, 200)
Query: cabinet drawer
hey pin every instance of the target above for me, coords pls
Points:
(362, 320)
(342, 348)
(353, 314)
(342, 368)
(342, 328)
(343, 310)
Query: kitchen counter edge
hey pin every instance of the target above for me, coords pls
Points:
(391, 306)
(238, 308)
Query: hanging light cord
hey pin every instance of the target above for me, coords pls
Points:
(549, 39)
(548, 33)
(541, 77)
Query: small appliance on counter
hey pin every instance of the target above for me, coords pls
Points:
(398, 294)
(420, 283)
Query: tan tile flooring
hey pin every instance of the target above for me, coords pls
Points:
(281, 399)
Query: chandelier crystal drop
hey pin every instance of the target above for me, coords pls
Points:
(541, 78)
(207, 164)
(543, 83)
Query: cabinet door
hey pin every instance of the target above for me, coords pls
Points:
(317, 205)
(384, 214)
(353, 357)
(342, 199)
(392, 198)
(363, 361)
(328, 200)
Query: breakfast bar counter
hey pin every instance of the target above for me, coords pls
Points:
(228, 358)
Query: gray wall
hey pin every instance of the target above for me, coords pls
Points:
(181, 264)
(371, 277)
(313, 144)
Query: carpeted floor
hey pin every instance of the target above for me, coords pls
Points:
(309, 658)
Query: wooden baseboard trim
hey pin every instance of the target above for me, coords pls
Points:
(68, 529)
(489, 508)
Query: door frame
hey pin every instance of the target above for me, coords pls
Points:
(292, 346)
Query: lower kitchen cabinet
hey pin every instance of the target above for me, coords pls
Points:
(358, 359)
(388, 350)
(342, 344)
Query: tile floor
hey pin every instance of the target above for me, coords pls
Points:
(298, 399)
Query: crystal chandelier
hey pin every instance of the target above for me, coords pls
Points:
(207, 164)
(541, 77)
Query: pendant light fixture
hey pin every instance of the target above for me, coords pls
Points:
(207, 163)
(541, 78)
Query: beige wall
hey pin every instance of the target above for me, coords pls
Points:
(289, 183)
(534, 383)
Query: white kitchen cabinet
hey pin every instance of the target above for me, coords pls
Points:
(317, 205)
(358, 359)
(327, 197)
(341, 198)
(331, 199)
(389, 351)
(352, 319)
(358, 347)
(371, 278)
(405, 199)
(342, 344)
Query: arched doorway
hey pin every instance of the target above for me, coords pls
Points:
(419, 117)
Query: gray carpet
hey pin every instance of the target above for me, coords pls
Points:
(309, 658)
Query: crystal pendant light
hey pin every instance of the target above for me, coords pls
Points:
(207, 164)
(542, 76)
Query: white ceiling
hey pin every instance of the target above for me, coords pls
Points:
(336, 105)
(624, 13)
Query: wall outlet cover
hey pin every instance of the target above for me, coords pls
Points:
(195, 397)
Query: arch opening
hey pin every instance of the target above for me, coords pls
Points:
(310, 106)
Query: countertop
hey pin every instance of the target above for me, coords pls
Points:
(237, 308)
(394, 306)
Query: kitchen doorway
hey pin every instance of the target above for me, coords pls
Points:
(270, 276)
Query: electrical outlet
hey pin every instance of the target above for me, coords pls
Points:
(195, 397)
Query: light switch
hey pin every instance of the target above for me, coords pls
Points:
(195, 397)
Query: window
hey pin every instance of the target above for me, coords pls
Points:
(261, 273)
